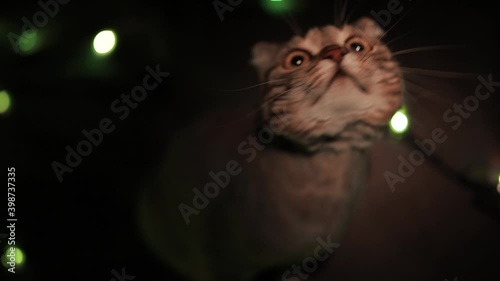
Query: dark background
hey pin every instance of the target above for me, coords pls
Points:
(80, 229)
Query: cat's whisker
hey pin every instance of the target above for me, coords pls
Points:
(336, 14)
(426, 49)
(299, 29)
(267, 102)
(339, 13)
(427, 94)
(399, 38)
(349, 15)
(343, 13)
(365, 57)
(255, 111)
(274, 98)
(254, 86)
(437, 73)
(395, 24)
(292, 23)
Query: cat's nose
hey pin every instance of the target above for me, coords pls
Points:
(334, 53)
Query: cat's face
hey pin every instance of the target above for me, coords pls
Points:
(335, 86)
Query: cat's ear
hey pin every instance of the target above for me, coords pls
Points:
(369, 27)
(263, 56)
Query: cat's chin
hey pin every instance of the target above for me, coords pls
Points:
(342, 77)
(356, 135)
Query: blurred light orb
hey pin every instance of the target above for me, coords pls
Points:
(19, 257)
(278, 7)
(104, 42)
(399, 122)
(4, 101)
(27, 41)
(498, 186)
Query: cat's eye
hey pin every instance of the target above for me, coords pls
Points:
(357, 45)
(297, 59)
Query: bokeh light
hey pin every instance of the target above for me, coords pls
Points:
(4, 102)
(399, 122)
(279, 7)
(19, 257)
(27, 41)
(104, 42)
(498, 185)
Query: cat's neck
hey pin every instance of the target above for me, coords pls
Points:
(309, 167)
(314, 191)
(312, 164)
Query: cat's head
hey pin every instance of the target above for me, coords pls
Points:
(336, 87)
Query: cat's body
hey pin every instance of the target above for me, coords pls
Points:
(270, 215)
(327, 96)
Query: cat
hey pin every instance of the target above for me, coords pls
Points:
(331, 91)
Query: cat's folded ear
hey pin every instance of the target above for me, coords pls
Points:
(369, 27)
(263, 57)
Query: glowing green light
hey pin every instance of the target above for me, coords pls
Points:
(104, 42)
(9, 257)
(399, 122)
(27, 41)
(498, 186)
(4, 102)
(279, 6)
